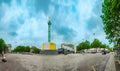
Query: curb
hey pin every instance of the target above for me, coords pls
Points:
(110, 66)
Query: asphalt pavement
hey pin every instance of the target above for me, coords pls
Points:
(70, 62)
(11, 64)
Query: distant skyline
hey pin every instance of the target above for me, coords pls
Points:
(24, 22)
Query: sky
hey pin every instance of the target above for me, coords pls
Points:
(24, 22)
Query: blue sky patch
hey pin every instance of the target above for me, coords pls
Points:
(25, 21)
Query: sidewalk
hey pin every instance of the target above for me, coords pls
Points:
(117, 62)
(117, 65)
(110, 64)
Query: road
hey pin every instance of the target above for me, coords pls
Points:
(11, 65)
(71, 62)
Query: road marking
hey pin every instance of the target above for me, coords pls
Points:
(93, 67)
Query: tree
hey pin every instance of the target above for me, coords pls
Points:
(87, 44)
(22, 49)
(109, 48)
(111, 20)
(115, 47)
(36, 50)
(27, 49)
(96, 44)
(83, 45)
(3, 46)
(103, 46)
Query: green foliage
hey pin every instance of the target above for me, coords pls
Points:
(107, 47)
(27, 49)
(87, 44)
(80, 46)
(83, 45)
(110, 49)
(22, 49)
(111, 19)
(96, 44)
(103, 46)
(3, 46)
(36, 50)
(116, 46)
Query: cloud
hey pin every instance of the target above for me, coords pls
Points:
(25, 21)
(5, 1)
(13, 33)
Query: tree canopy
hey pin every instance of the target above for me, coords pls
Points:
(95, 44)
(22, 49)
(36, 50)
(111, 19)
(103, 46)
(26, 49)
(3, 46)
(83, 45)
